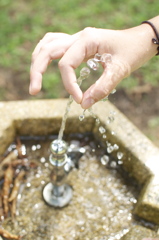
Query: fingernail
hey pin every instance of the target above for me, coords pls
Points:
(34, 89)
(87, 103)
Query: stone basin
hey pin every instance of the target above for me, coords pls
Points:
(140, 158)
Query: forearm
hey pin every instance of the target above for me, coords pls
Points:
(146, 49)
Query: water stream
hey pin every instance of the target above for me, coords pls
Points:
(84, 73)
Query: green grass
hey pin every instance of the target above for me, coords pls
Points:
(23, 24)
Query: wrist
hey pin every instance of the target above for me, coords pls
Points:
(155, 40)
(142, 45)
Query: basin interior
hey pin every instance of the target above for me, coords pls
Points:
(103, 200)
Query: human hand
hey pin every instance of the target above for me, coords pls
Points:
(129, 48)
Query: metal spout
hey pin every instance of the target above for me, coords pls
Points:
(57, 193)
(58, 152)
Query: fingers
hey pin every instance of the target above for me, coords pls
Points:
(52, 47)
(74, 56)
(106, 83)
(46, 39)
(70, 61)
(35, 82)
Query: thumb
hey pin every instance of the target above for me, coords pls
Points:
(111, 76)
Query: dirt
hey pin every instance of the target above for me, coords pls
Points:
(140, 105)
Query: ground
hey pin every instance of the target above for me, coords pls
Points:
(142, 108)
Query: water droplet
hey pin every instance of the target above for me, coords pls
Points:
(17, 171)
(110, 149)
(46, 165)
(119, 155)
(97, 57)
(38, 146)
(133, 200)
(110, 119)
(42, 160)
(11, 147)
(113, 164)
(23, 150)
(84, 73)
(81, 117)
(120, 162)
(33, 148)
(93, 64)
(113, 91)
(129, 216)
(36, 205)
(19, 196)
(104, 160)
(116, 147)
(28, 184)
(104, 136)
(113, 133)
(105, 99)
(106, 58)
(97, 121)
(102, 130)
(112, 112)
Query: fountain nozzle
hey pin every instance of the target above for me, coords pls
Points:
(57, 193)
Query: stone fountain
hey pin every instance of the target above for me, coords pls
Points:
(140, 158)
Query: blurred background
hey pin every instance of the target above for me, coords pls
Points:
(24, 23)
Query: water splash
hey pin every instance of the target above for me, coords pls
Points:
(93, 63)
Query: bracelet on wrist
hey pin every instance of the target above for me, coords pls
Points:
(154, 40)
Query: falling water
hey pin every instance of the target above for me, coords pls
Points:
(84, 73)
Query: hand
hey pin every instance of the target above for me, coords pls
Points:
(129, 48)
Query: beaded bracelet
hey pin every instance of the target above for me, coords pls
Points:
(154, 40)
